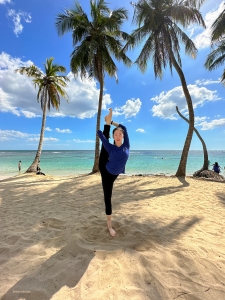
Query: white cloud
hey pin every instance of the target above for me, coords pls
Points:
(167, 101)
(83, 98)
(14, 134)
(203, 39)
(211, 125)
(63, 130)
(45, 139)
(83, 141)
(16, 17)
(48, 129)
(18, 95)
(130, 109)
(29, 114)
(5, 1)
(199, 120)
(140, 130)
(207, 82)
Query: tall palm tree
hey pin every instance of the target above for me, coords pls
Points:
(50, 89)
(217, 57)
(95, 42)
(158, 29)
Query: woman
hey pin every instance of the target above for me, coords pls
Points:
(112, 161)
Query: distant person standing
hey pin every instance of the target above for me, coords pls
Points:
(216, 167)
(19, 165)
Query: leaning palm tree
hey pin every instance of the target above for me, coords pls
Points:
(49, 91)
(95, 42)
(158, 30)
(217, 57)
(205, 152)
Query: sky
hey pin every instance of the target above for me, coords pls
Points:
(145, 105)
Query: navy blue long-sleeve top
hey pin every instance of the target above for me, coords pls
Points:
(118, 156)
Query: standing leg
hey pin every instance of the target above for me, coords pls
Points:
(109, 224)
(107, 184)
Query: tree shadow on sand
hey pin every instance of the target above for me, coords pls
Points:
(64, 268)
(221, 196)
(67, 266)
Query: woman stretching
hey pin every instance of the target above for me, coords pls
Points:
(112, 161)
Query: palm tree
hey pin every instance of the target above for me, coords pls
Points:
(217, 57)
(205, 152)
(95, 41)
(157, 28)
(49, 91)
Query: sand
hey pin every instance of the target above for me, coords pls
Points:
(54, 244)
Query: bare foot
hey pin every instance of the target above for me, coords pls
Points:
(110, 113)
(112, 231)
(108, 118)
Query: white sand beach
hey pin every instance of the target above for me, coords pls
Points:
(54, 243)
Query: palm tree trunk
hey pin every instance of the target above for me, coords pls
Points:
(206, 157)
(96, 160)
(181, 171)
(33, 167)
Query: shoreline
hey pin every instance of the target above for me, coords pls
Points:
(121, 175)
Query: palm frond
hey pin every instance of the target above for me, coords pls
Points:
(160, 19)
(101, 35)
(70, 19)
(145, 54)
(216, 58)
(49, 83)
(218, 28)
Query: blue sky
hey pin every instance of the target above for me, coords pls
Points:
(146, 106)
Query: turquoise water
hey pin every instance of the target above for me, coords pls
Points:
(64, 163)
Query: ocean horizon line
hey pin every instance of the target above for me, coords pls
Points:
(1, 150)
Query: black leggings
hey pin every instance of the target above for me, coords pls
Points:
(107, 178)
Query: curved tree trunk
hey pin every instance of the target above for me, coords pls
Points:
(206, 158)
(97, 143)
(33, 167)
(181, 171)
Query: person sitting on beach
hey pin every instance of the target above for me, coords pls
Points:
(38, 166)
(39, 170)
(112, 161)
(216, 168)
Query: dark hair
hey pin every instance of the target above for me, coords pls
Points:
(118, 128)
(216, 163)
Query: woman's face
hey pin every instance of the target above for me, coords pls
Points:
(118, 136)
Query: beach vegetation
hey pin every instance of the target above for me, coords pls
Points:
(97, 41)
(50, 84)
(160, 30)
(217, 56)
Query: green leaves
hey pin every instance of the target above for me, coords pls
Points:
(217, 56)
(96, 41)
(49, 83)
(158, 30)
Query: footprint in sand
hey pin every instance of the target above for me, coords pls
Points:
(12, 240)
(53, 223)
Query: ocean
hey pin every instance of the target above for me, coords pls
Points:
(65, 162)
